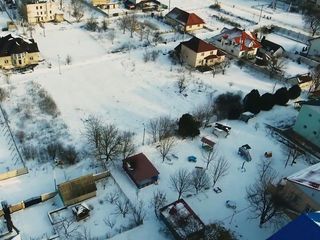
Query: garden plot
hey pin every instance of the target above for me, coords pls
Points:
(9, 157)
(105, 219)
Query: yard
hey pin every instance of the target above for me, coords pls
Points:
(124, 89)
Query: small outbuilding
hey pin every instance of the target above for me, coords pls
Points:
(243, 151)
(182, 221)
(140, 170)
(221, 130)
(207, 143)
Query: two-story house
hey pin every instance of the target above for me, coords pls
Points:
(196, 52)
(184, 21)
(35, 11)
(237, 42)
(17, 52)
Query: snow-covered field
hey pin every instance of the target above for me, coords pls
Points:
(122, 89)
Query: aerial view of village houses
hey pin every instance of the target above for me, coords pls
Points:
(160, 119)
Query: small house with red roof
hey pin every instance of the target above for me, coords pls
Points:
(140, 170)
(196, 52)
(237, 42)
(183, 20)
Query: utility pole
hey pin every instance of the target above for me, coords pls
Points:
(169, 5)
(260, 13)
(59, 64)
(144, 133)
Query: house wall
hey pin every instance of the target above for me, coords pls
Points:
(80, 199)
(301, 198)
(99, 2)
(308, 124)
(13, 173)
(40, 12)
(19, 60)
(191, 28)
(314, 48)
(198, 59)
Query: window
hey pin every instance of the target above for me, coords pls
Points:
(198, 25)
(41, 13)
(31, 58)
(202, 54)
(20, 62)
(200, 61)
(6, 61)
(40, 7)
(304, 126)
(36, 7)
(50, 11)
(310, 115)
(314, 133)
(37, 13)
(211, 52)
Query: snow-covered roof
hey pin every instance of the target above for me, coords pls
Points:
(182, 219)
(309, 177)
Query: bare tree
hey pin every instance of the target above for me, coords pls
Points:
(219, 170)
(110, 143)
(266, 206)
(158, 201)
(180, 182)
(209, 156)
(84, 234)
(313, 22)
(133, 24)
(200, 180)
(52, 150)
(182, 83)
(67, 228)
(165, 146)
(160, 128)
(93, 132)
(109, 222)
(68, 60)
(315, 78)
(111, 36)
(123, 23)
(293, 152)
(276, 65)
(138, 213)
(204, 113)
(112, 197)
(122, 207)
(127, 147)
(104, 24)
(77, 10)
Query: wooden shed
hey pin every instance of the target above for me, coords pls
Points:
(77, 190)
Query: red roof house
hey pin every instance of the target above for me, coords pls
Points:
(197, 52)
(238, 42)
(140, 170)
(183, 20)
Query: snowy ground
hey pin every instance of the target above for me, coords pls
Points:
(124, 90)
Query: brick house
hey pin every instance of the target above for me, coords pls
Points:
(196, 52)
(183, 20)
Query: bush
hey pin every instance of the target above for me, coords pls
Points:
(251, 102)
(3, 94)
(215, 231)
(267, 101)
(188, 126)
(47, 104)
(215, 6)
(294, 92)
(281, 96)
(67, 154)
(92, 24)
(228, 105)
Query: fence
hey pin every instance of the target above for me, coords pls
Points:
(13, 173)
(290, 34)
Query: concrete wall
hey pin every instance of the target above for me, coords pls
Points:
(194, 27)
(299, 200)
(314, 49)
(13, 173)
(80, 199)
(308, 124)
